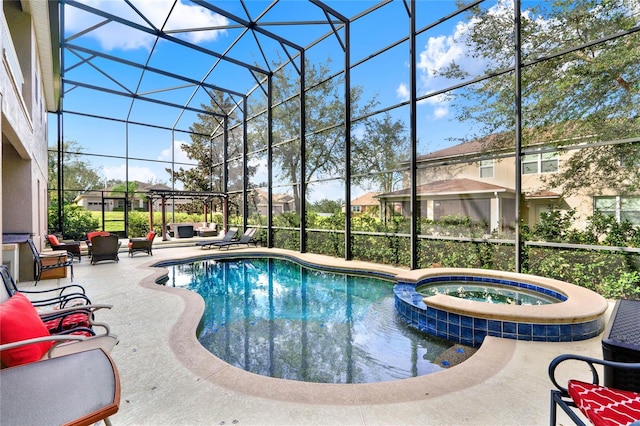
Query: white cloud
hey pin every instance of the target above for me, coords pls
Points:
(440, 112)
(402, 92)
(180, 154)
(182, 17)
(142, 174)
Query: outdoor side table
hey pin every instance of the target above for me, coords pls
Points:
(77, 389)
(621, 343)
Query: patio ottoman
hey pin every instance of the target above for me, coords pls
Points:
(621, 343)
(184, 231)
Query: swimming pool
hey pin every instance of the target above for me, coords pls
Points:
(277, 318)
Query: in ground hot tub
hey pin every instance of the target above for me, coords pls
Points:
(572, 312)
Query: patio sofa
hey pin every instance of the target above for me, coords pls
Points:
(192, 229)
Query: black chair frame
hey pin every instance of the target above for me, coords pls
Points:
(560, 396)
(62, 261)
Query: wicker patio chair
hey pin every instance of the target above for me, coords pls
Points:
(72, 247)
(104, 247)
(142, 244)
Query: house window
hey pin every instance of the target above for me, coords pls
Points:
(545, 162)
(356, 209)
(622, 208)
(486, 168)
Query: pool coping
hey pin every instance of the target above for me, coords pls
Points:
(492, 356)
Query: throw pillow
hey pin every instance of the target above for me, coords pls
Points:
(19, 320)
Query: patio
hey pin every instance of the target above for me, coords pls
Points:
(167, 378)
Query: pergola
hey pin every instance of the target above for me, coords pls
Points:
(163, 195)
(228, 54)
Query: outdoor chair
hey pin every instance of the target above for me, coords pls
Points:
(142, 244)
(90, 236)
(600, 404)
(72, 247)
(63, 312)
(57, 298)
(245, 239)
(20, 321)
(229, 236)
(104, 247)
(47, 262)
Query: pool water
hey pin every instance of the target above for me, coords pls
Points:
(493, 293)
(276, 318)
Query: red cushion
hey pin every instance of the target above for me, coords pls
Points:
(605, 406)
(53, 240)
(130, 245)
(19, 320)
(90, 235)
(68, 322)
(151, 235)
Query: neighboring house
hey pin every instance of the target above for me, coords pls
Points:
(366, 203)
(282, 203)
(93, 200)
(28, 90)
(452, 182)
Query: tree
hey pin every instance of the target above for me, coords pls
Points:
(120, 189)
(384, 145)
(79, 176)
(207, 149)
(588, 95)
(325, 138)
(326, 206)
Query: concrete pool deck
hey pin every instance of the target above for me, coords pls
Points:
(169, 379)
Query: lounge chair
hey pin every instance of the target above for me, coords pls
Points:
(245, 239)
(228, 237)
(104, 247)
(47, 262)
(142, 244)
(600, 404)
(72, 247)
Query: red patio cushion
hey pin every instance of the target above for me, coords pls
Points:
(19, 320)
(605, 406)
(151, 235)
(68, 322)
(53, 240)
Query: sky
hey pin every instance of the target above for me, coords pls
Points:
(386, 77)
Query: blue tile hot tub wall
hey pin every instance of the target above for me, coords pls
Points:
(469, 330)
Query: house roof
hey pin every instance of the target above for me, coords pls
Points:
(366, 199)
(466, 148)
(277, 198)
(449, 186)
(542, 194)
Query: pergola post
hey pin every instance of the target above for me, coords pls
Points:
(164, 219)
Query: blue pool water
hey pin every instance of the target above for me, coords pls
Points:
(276, 318)
(488, 293)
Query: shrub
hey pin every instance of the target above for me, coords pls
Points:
(138, 224)
(626, 286)
(76, 221)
